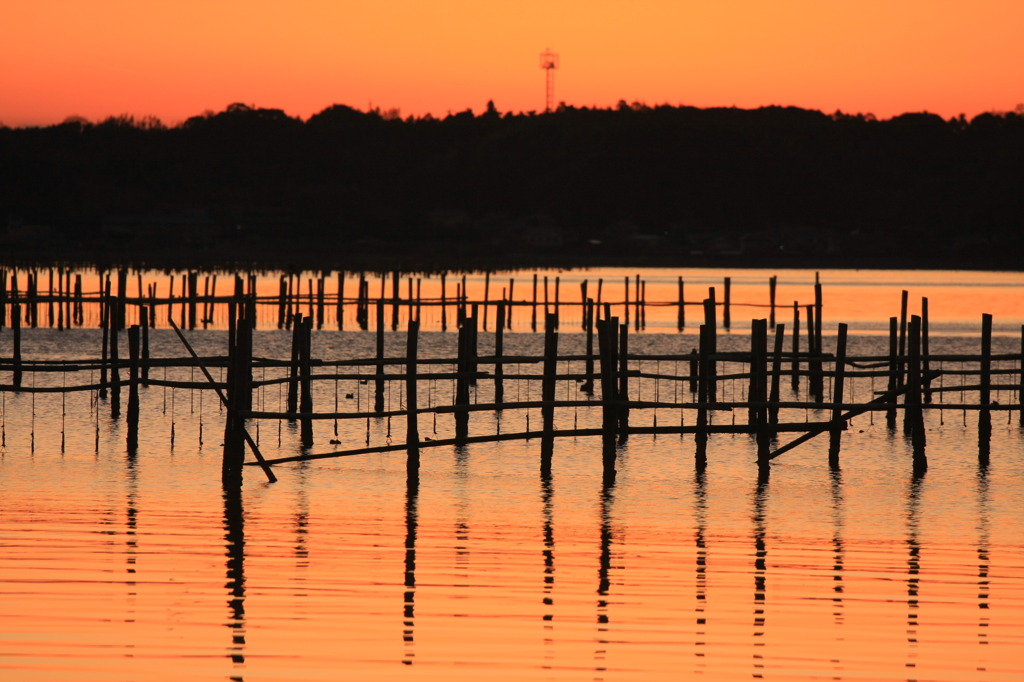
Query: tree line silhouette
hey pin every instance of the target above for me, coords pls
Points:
(775, 185)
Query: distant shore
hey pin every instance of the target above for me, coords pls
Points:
(313, 257)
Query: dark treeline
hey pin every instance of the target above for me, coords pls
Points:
(771, 186)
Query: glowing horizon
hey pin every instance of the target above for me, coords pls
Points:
(173, 60)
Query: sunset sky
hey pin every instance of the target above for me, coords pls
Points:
(175, 59)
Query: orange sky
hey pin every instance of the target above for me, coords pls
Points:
(174, 59)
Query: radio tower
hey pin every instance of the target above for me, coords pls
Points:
(549, 62)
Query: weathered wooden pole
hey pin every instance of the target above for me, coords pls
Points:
(305, 381)
(547, 410)
(894, 370)
(912, 402)
(133, 389)
(293, 364)
(487, 296)
(340, 311)
(925, 364)
(462, 386)
(144, 319)
(816, 380)
(607, 341)
(703, 396)
(681, 311)
(588, 321)
(985, 394)
(533, 313)
(16, 374)
(758, 395)
(772, 285)
(395, 298)
(105, 343)
(378, 395)
(794, 380)
(623, 393)
(499, 349)
(776, 379)
(710, 371)
(835, 433)
(193, 297)
(901, 375)
(583, 305)
(115, 378)
(727, 304)
(511, 300)
(412, 430)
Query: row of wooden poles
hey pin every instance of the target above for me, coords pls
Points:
(907, 369)
(64, 300)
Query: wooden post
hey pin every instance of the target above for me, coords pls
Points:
(16, 344)
(727, 304)
(511, 300)
(583, 305)
(588, 321)
(340, 312)
(115, 378)
(985, 395)
(710, 371)
(912, 402)
(558, 310)
(625, 300)
(444, 303)
(412, 431)
(105, 348)
(320, 302)
(772, 285)
(395, 299)
(901, 362)
(462, 386)
(133, 389)
(607, 335)
(234, 427)
(703, 395)
(144, 319)
(294, 363)
(925, 365)
(499, 349)
(306, 382)
(894, 370)
(378, 396)
(773, 396)
(794, 381)
(816, 382)
(533, 314)
(487, 295)
(838, 381)
(758, 395)
(193, 296)
(3, 297)
(206, 315)
(623, 393)
(79, 301)
(681, 312)
(33, 299)
(547, 410)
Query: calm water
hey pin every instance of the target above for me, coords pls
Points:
(142, 568)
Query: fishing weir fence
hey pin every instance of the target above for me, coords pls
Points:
(608, 376)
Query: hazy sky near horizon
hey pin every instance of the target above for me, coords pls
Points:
(175, 59)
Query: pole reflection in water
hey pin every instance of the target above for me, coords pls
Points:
(760, 556)
(983, 558)
(412, 491)
(131, 532)
(838, 558)
(913, 565)
(603, 578)
(546, 494)
(701, 579)
(234, 537)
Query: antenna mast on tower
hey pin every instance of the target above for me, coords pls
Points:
(549, 62)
